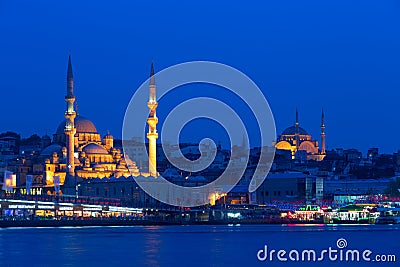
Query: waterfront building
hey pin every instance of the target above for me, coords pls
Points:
(125, 189)
(9, 148)
(37, 209)
(289, 187)
(347, 190)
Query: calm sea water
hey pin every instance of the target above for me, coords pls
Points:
(235, 245)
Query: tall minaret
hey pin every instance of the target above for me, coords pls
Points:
(152, 121)
(70, 118)
(297, 126)
(323, 151)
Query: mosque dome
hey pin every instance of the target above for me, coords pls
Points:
(94, 149)
(293, 130)
(82, 125)
(48, 151)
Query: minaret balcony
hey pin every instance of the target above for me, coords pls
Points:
(70, 115)
(69, 98)
(152, 135)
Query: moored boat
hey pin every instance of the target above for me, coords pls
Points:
(388, 215)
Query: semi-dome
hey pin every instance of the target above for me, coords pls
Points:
(94, 149)
(82, 125)
(293, 130)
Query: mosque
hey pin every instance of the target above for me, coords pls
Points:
(296, 139)
(78, 151)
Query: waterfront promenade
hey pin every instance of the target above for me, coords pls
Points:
(54, 211)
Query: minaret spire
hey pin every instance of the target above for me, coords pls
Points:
(323, 141)
(152, 81)
(70, 78)
(297, 125)
(152, 84)
(152, 121)
(70, 115)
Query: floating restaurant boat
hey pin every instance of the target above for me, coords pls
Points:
(355, 214)
(309, 214)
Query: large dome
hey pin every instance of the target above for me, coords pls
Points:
(94, 149)
(293, 130)
(82, 125)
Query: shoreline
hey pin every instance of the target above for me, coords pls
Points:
(107, 222)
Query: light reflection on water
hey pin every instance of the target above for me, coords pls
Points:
(152, 246)
(234, 245)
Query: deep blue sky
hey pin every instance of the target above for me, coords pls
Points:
(341, 55)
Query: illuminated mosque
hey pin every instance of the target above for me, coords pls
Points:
(78, 150)
(295, 139)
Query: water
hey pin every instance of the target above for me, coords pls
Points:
(235, 245)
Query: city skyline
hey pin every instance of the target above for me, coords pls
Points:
(347, 67)
(257, 132)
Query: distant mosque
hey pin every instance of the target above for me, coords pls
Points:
(295, 139)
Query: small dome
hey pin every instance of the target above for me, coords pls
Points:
(293, 130)
(108, 136)
(82, 125)
(48, 151)
(94, 149)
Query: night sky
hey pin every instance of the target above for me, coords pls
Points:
(343, 56)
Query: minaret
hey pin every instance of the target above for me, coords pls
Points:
(70, 118)
(152, 121)
(297, 126)
(323, 151)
